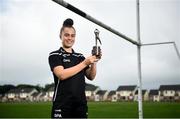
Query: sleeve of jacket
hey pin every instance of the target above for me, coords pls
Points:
(55, 59)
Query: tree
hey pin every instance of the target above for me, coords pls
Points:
(47, 86)
(6, 88)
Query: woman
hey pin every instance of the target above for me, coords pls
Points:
(69, 70)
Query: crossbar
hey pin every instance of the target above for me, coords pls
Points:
(83, 14)
(163, 43)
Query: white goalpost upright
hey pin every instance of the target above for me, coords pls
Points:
(137, 43)
(140, 105)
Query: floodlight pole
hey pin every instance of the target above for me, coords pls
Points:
(140, 105)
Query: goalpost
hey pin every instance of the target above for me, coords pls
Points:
(138, 44)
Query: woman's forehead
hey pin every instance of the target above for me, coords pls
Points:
(69, 30)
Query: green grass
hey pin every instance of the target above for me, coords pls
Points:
(27, 110)
(113, 109)
(96, 110)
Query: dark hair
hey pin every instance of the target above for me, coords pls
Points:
(67, 23)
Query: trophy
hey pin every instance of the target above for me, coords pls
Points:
(96, 49)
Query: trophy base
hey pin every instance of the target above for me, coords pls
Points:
(96, 51)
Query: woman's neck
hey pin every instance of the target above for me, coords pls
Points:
(69, 50)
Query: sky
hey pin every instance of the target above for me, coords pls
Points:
(30, 31)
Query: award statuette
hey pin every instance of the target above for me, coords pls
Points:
(96, 49)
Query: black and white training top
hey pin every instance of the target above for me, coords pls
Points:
(72, 88)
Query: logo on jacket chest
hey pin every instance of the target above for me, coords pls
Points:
(66, 60)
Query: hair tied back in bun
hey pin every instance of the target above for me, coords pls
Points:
(68, 22)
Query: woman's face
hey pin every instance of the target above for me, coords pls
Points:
(68, 37)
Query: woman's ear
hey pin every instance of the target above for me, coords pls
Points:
(60, 36)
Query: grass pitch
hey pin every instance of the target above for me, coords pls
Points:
(96, 110)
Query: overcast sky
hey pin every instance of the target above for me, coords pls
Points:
(30, 28)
